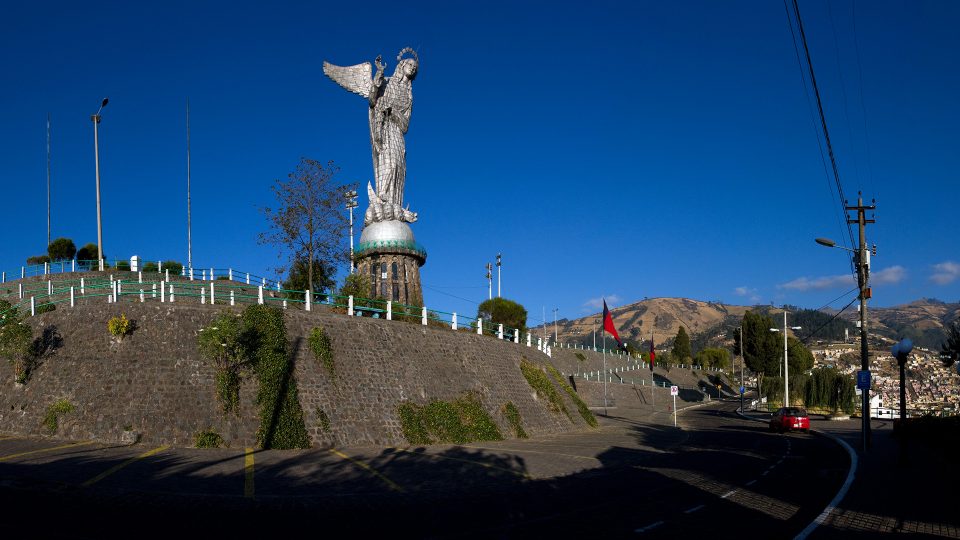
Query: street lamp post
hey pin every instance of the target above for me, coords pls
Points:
(351, 203)
(498, 275)
(786, 363)
(96, 155)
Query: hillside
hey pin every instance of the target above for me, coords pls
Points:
(711, 323)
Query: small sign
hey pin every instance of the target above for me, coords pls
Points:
(742, 389)
(674, 390)
(863, 380)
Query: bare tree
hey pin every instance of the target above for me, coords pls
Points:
(308, 223)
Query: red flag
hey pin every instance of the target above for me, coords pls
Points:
(653, 353)
(608, 324)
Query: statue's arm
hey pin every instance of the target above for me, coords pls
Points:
(377, 85)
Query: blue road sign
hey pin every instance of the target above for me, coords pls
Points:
(863, 380)
(741, 389)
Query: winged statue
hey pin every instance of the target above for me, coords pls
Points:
(390, 101)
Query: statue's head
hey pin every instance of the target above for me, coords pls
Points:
(407, 66)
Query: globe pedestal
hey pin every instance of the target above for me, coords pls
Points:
(390, 256)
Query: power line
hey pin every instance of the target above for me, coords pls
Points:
(824, 325)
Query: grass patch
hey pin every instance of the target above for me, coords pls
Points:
(322, 349)
(460, 421)
(512, 415)
(51, 420)
(581, 406)
(580, 357)
(207, 438)
(539, 381)
(323, 421)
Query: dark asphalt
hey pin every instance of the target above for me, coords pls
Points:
(716, 476)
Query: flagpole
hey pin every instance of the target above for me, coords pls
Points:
(604, 372)
(653, 387)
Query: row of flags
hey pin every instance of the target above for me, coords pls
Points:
(612, 330)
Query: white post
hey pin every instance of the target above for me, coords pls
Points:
(528, 339)
(500, 331)
(163, 292)
(350, 306)
(284, 303)
(4, 278)
(167, 274)
(172, 296)
(389, 310)
(211, 274)
(211, 294)
(191, 274)
(479, 326)
(159, 266)
(674, 410)
(82, 291)
(20, 289)
(153, 293)
(540, 344)
(306, 296)
(49, 287)
(23, 272)
(73, 265)
(141, 296)
(230, 274)
(263, 281)
(71, 297)
(278, 284)
(140, 276)
(33, 308)
(203, 296)
(46, 268)
(203, 275)
(423, 316)
(231, 298)
(248, 278)
(516, 335)
(260, 294)
(454, 323)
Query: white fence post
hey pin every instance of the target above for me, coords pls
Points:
(423, 316)
(350, 306)
(211, 294)
(191, 273)
(230, 274)
(20, 289)
(211, 274)
(389, 310)
(278, 284)
(49, 287)
(46, 268)
(231, 298)
(167, 274)
(82, 291)
(73, 265)
(516, 335)
(203, 275)
(33, 307)
(528, 340)
(159, 266)
(284, 303)
(23, 272)
(139, 276)
(71, 297)
(306, 296)
(479, 326)
(172, 297)
(153, 293)
(540, 344)
(141, 296)
(454, 323)
(163, 291)
(4, 278)
(248, 278)
(500, 331)
(260, 294)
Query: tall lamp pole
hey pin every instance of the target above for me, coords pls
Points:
(498, 275)
(556, 334)
(489, 281)
(351, 202)
(742, 361)
(96, 155)
(786, 363)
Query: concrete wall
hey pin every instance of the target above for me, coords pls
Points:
(156, 382)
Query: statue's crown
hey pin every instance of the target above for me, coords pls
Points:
(409, 51)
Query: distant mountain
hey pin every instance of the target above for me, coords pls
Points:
(712, 323)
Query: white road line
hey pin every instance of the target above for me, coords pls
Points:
(766, 472)
(727, 494)
(752, 482)
(840, 494)
(694, 509)
(648, 527)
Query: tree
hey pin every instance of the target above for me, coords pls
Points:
(308, 223)
(88, 253)
(681, 346)
(359, 286)
(298, 278)
(950, 349)
(713, 357)
(226, 344)
(799, 356)
(502, 311)
(61, 249)
(761, 352)
(37, 259)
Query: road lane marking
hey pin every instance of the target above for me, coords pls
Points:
(752, 482)
(766, 472)
(248, 474)
(648, 527)
(119, 466)
(727, 494)
(393, 485)
(7, 437)
(840, 494)
(71, 445)
(487, 465)
(694, 509)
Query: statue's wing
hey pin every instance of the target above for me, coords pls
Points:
(356, 79)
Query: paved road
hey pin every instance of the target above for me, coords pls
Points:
(634, 477)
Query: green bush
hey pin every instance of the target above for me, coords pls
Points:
(225, 343)
(539, 381)
(119, 326)
(61, 249)
(460, 421)
(150, 267)
(581, 406)
(45, 308)
(512, 415)
(322, 349)
(51, 420)
(323, 421)
(88, 253)
(207, 438)
(16, 342)
(37, 260)
(123, 266)
(173, 266)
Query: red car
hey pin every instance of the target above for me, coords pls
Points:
(787, 418)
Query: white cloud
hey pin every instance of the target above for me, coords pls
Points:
(945, 272)
(597, 303)
(749, 292)
(887, 276)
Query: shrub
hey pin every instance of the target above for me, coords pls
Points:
(512, 415)
(323, 421)
(123, 266)
(581, 406)
(460, 421)
(539, 381)
(500, 310)
(119, 326)
(45, 308)
(37, 259)
(16, 342)
(88, 253)
(173, 266)
(150, 267)
(207, 438)
(321, 347)
(61, 249)
(225, 343)
(51, 420)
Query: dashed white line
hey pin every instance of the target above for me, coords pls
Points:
(648, 527)
(727, 494)
(766, 472)
(752, 482)
(694, 509)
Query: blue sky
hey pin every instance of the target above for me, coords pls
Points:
(618, 149)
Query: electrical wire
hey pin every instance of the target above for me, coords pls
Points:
(824, 325)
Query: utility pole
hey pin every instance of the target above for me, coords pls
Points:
(498, 275)
(48, 180)
(350, 198)
(741, 367)
(556, 334)
(863, 281)
(189, 234)
(489, 281)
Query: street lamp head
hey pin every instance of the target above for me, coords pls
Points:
(104, 103)
(825, 242)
